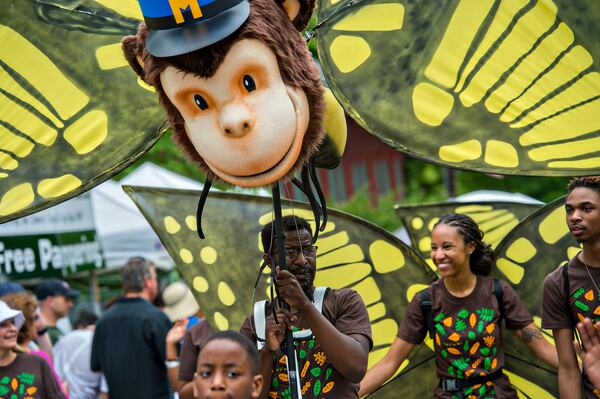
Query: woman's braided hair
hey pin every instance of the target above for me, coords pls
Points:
(481, 260)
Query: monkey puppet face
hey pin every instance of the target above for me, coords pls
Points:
(245, 123)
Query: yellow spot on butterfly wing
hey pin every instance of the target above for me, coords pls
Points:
(342, 276)
(368, 291)
(513, 271)
(521, 250)
(553, 227)
(425, 244)
(52, 188)
(572, 251)
(530, 68)
(334, 241)
(376, 17)
(13, 143)
(531, 389)
(468, 150)
(565, 150)
(349, 254)
(17, 198)
(567, 125)
(417, 223)
(191, 223)
(432, 223)
(22, 56)
(376, 311)
(431, 104)
(413, 290)
(502, 154)
(7, 162)
(453, 47)
(386, 258)
(200, 284)
(88, 132)
(25, 121)
(186, 255)
(111, 57)
(590, 163)
(349, 52)
(521, 38)
(502, 18)
(582, 90)
(208, 255)
(225, 294)
(127, 8)
(221, 321)
(384, 331)
(9, 85)
(171, 225)
(473, 209)
(567, 68)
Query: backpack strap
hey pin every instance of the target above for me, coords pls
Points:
(260, 322)
(499, 294)
(260, 317)
(567, 294)
(425, 305)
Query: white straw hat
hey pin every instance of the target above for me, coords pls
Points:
(8, 313)
(179, 301)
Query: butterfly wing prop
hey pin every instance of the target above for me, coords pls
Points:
(495, 219)
(72, 113)
(507, 87)
(222, 268)
(537, 246)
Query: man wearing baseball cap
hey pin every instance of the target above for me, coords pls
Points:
(56, 300)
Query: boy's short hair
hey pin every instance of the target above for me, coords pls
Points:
(591, 182)
(248, 346)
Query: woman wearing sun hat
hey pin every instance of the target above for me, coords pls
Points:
(22, 374)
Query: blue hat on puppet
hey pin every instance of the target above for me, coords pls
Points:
(182, 26)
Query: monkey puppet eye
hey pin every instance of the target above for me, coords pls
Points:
(200, 102)
(249, 83)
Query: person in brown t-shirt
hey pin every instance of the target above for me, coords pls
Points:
(466, 318)
(22, 375)
(193, 340)
(559, 312)
(334, 359)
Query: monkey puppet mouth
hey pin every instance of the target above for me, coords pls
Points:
(287, 162)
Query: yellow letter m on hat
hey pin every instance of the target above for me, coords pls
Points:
(178, 5)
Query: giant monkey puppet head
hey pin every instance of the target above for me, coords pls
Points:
(237, 81)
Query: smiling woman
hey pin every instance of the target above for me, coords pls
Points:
(22, 372)
(463, 312)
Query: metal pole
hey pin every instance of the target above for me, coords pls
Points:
(289, 338)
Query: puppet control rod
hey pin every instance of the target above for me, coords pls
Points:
(289, 338)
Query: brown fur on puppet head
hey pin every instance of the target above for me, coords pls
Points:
(249, 108)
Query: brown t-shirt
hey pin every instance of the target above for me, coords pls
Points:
(583, 302)
(346, 311)
(28, 376)
(193, 341)
(468, 341)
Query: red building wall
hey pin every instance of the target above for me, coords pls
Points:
(366, 161)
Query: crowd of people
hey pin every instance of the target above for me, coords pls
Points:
(139, 350)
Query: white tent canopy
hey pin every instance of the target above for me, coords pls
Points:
(123, 231)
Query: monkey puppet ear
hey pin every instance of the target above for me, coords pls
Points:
(133, 49)
(299, 12)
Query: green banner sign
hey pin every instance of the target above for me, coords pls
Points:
(49, 255)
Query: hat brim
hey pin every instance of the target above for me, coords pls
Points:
(177, 41)
(183, 309)
(14, 314)
(71, 294)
